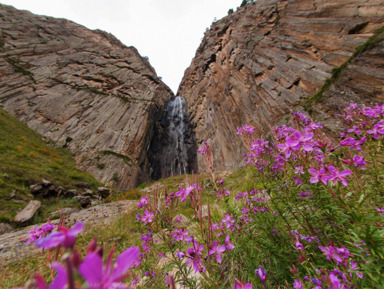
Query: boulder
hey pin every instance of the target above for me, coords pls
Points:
(88, 193)
(103, 192)
(83, 185)
(46, 183)
(70, 193)
(28, 212)
(84, 201)
(36, 189)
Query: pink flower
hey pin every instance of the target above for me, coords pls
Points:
(317, 175)
(60, 282)
(358, 161)
(262, 274)
(240, 285)
(194, 257)
(335, 175)
(228, 244)
(38, 233)
(183, 194)
(147, 218)
(348, 142)
(144, 201)
(217, 250)
(64, 237)
(298, 284)
(110, 275)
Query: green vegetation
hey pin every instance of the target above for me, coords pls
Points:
(125, 158)
(338, 71)
(26, 158)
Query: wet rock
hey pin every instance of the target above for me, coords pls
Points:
(28, 212)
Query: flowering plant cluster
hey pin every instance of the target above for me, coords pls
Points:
(308, 216)
(74, 271)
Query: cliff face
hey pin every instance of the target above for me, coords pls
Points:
(261, 62)
(83, 89)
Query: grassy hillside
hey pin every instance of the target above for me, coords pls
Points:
(25, 158)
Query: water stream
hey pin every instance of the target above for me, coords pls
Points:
(178, 157)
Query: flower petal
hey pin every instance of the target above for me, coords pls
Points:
(76, 229)
(92, 269)
(51, 241)
(61, 278)
(125, 261)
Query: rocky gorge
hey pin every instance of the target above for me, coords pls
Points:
(87, 91)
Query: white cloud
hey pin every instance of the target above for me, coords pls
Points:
(167, 31)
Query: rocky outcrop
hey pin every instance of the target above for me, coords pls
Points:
(361, 80)
(84, 90)
(261, 62)
(28, 212)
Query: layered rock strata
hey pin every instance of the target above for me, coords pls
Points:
(84, 90)
(258, 64)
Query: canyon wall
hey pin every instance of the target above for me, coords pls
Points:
(84, 90)
(266, 59)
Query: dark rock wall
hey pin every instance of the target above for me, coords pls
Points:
(259, 63)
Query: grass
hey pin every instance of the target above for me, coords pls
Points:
(25, 158)
(338, 71)
(119, 234)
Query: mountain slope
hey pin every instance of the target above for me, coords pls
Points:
(84, 89)
(261, 62)
(26, 158)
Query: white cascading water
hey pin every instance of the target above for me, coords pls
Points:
(177, 129)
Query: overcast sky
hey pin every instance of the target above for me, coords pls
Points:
(167, 31)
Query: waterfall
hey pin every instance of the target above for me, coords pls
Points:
(177, 154)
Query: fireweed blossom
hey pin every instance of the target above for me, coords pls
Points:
(147, 218)
(194, 254)
(38, 233)
(262, 274)
(110, 275)
(317, 175)
(335, 175)
(217, 251)
(64, 237)
(358, 161)
(183, 194)
(240, 285)
(143, 202)
(60, 282)
(298, 284)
